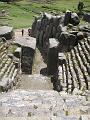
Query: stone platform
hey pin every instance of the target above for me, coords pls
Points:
(43, 104)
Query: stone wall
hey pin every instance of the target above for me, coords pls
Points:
(8, 70)
(86, 17)
(27, 59)
(51, 26)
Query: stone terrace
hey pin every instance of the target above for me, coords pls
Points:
(8, 71)
(76, 72)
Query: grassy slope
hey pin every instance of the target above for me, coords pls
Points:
(21, 13)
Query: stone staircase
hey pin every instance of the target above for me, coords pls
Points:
(76, 72)
(43, 104)
(35, 82)
(8, 72)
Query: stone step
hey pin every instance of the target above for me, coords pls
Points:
(11, 72)
(88, 41)
(66, 73)
(75, 68)
(85, 52)
(4, 69)
(14, 74)
(1, 47)
(3, 55)
(13, 80)
(72, 72)
(42, 118)
(8, 70)
(85, 117)
(8, 82)
(82, 56)
(49, 103)
(26, 118)
(82, 69)
(87, 46)
(62, 77)
(1, 43)
(35, 81)
(80, 64)
(69, 79)
(3, 62)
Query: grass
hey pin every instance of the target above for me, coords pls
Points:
(20, 13)
(12, 49)
(17, 17)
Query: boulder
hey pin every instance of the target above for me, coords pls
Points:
(4, 84)
(67, 17)
(67, 40)
(6, 32)
(61, 58)
(74, 19)
(86, 17)
(64, 37)
(80, 35)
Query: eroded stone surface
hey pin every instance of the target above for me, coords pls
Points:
(49, 103)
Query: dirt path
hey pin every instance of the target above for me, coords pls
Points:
(38, 63)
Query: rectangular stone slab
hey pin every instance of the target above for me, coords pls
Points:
(26, 41)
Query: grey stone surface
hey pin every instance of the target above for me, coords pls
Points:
(74, 19)
(86, 17)
(31, 103)
(67, 41)
(52, 64)
(27, 58)
(53, 42)
(67, 17)
(6, 32)
(26, 41)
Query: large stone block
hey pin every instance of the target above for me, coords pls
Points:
(6, 32)
(52, 65)
(86, 17)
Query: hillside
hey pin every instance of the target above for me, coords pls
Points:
(20, 13)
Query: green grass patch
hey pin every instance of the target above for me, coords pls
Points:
(20, 13)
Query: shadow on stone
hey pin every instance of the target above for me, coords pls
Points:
(43, 71)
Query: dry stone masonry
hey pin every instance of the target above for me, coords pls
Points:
(51, 26)
(27, 52)
(64, 46)
(62, 34)
(8, 71)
